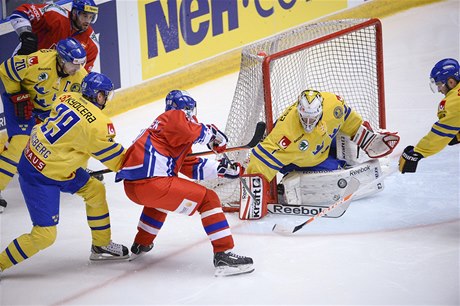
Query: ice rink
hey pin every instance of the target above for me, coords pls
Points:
(399, 247)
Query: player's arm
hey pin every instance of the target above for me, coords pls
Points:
(20, 20)
(443, 132)
(12, 72)
(103, 147)
(92, 51)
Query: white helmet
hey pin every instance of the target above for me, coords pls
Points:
(310, 109)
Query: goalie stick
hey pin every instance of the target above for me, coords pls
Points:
(256, 138)
(349, 192)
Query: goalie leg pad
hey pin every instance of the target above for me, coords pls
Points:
(324, 188)
(254, 194)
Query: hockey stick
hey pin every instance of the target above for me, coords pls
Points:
(258, 135)
(256, 138)
(351, 189)
(349, 193)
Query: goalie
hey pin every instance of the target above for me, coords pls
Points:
(303, 140)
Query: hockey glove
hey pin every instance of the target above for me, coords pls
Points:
(218, 142)
(455, 140)
(230, 170)
(375, 145)
(23, 106)
(409, 160)
(29, 43)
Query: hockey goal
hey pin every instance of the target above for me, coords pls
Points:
(340, 56)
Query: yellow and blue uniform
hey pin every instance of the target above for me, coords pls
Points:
(446, 128)
(37, 75)
(289, 145)
(52, 162)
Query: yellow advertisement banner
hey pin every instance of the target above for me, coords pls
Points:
(177, 33)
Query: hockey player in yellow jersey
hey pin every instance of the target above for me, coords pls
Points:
(32, 82)
(303, 135)
(52, 162)
(445, 78)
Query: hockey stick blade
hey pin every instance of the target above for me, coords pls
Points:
(256, 138)
(350, 190)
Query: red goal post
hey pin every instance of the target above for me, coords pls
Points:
(340, 56)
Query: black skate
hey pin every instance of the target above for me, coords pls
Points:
(228, 263)
(113, 251)
(137, 250)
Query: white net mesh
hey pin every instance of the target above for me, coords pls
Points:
(340, 56)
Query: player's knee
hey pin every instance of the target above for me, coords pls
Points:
(43, 237)
(210, 201)
(93, 192)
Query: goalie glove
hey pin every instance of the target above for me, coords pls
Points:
(228, 169)
(23, 106)
(29, 43)
(375, 145)
(218, 142)
(409, 160)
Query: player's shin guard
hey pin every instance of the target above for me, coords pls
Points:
(254, 196)
(97, 211)
(27, 245)
(214, 222)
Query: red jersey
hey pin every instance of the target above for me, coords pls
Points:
(51, 23)
(162, 149)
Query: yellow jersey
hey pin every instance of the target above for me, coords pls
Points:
(37, 74)
(446, 128)
(75, 131)
(288, 143)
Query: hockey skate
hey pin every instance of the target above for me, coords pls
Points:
(137, 250)
(2, 203)
(228, 263)
(112, 251)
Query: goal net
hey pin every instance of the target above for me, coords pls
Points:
(340, 56)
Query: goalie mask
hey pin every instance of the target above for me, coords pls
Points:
(310, 109)
(181, 100)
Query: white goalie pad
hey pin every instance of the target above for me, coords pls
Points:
(324, 188)
(349, 151)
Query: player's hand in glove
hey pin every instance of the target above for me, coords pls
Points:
(409, 160)
(29, 43)
(23, 106)
(375, 144)
(231, 170)
(218, 142)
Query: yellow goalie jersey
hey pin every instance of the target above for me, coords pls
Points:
(37, 74)
(288, 143)
(75, 131)
(446, 128)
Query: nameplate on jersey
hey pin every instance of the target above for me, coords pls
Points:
(34, 159)
(302, 210)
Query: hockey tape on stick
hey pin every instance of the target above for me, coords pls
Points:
(256, 138)
(352, 187)
(258, 135)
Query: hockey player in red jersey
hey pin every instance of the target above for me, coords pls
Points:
(150, 173)
(41, 26)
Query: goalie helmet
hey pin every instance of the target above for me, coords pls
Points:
(310, 108)
(87, 6)
(70, 50)
(181, 100)
(442, 71)
(94, 83)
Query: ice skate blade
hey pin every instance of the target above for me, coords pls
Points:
(106, 257)
(237, 270)
(134, 257)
